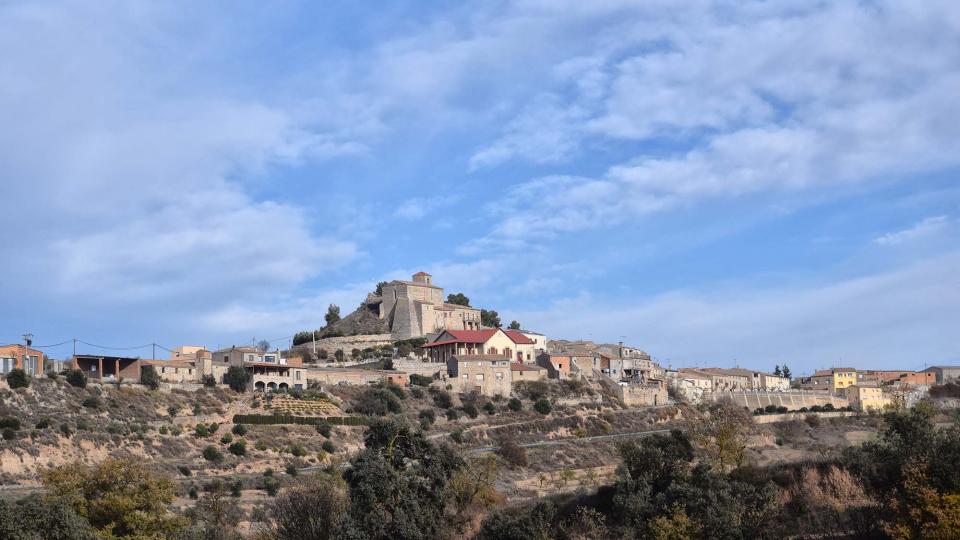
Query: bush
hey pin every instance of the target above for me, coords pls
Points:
(200, 431)
(543, 406)
(53, 375)
(213, 454)
(298, 450)
(377, 402)
(452, 415)
(18, 378)
(261, 446)
(236, 488)
(781, 409)
(420, 380)
(323, 428)
(239, 430)
(238, 448)
(65, 430)
(428, 417)
(397, 391)
(9, 434)
(208, 380)
(193, 493)
(490, 408)
(43, 423)
(271, 485)
(513, 453)
(184, 470)
(226, 439)
(237, 378)
(442, 399)
(470, 410)
(9, 422)
(812, 420)
(457, 436)
(292, 469)
(149, 377)
(329, 447)
(515, 405)
(91, 402)
(77, 378)
(416, 392)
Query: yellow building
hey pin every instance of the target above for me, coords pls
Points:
(840, 378)
(866, 398)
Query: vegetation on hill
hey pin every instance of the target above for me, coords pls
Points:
(459, 299)
(490, 318)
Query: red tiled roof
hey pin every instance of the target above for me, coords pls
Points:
(438, 343)
(421, 273)
(517, 337)
(472, 336)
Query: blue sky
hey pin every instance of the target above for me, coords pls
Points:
(717, 182)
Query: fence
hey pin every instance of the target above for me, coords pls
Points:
(260, 419)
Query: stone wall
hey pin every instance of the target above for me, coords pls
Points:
(427, 369)
(791, 400)
(346, 343)
(635, 395)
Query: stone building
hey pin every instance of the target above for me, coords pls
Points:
(866, 397)
(944, 374)
(417, 308)
(488, 375)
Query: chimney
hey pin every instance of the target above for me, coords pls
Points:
(621, 348)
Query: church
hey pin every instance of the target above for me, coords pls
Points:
(417, 308)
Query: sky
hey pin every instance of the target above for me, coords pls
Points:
(718, 183)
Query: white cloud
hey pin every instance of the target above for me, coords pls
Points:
(785, 99)
(923, 229)
(895, 318)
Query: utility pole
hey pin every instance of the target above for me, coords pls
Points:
(313, 339)
(153, 356)
(74, 347)
(27, 340)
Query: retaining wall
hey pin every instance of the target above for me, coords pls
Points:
(790, 400)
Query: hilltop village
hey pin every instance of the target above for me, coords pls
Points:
(409, 328)
(516, 434)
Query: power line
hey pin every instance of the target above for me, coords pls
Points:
(48, 346)
(115, 348)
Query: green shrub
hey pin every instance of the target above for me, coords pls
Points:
(193, 494)
(18, 378)
(226, 439)
(91, 402)
(292, 469)
(236, 488)
(238, 448)
(261, 446)
(329, 447)
(65, 430)
(457, 436)
(53, 375)
(298, 450)
(237, 378)
(77, 378)
(9, 434)
(452, 415)
(377, 402)
(515, 405)
(172, 410)
(271, 485)
(239, 430)
(397, 391)
(43, 423)
(323, 428)
(200, 431)
(213, 454)
(471, 410)
(442, 399)
(420, 380)
(176, 430)
(9, 422)
(427, 417)
(184, 470)
(208, 380)
(416, 392)
(490, 408)
(213, 428)
(543, 406)
(149, 377)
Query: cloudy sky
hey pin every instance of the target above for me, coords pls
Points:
(715, 182)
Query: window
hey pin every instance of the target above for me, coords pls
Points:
(226, 358)
(499, 376)
(163, 370)
(465, 376)
(479, 376)
(298, 375)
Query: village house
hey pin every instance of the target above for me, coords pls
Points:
(486, 374)
(866, 397)
(493, 341)
(726, 380)
(903, 377)
(355, 376)
(526, 372)
(539, 341)
(102, 368)
(174, 371)
(268, 369)
(563, 366)
(21, 357)
(944, 374)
